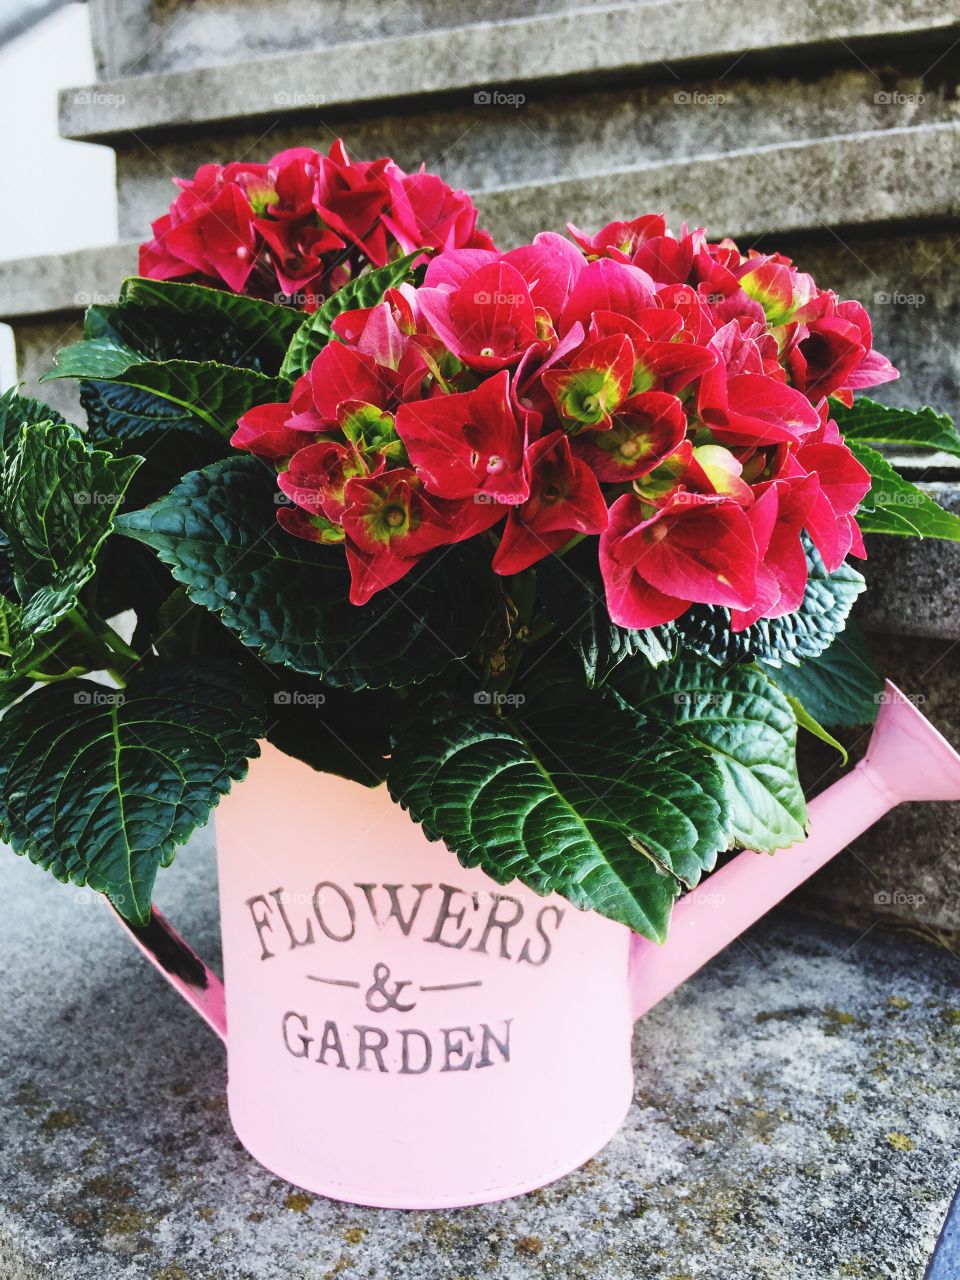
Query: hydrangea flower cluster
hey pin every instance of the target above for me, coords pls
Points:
(666, 394)
(300, 226)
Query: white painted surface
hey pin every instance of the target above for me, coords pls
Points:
(59, 195)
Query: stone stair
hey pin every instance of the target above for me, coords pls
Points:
(829, 129)
(794, 1118)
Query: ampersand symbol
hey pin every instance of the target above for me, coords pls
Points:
(386, 999)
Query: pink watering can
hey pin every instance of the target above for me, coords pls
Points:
(408, 1034)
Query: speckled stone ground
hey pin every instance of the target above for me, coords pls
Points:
(795, 1118)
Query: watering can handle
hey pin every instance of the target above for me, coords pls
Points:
(181, 966)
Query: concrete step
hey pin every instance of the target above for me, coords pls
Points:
(342, 67)
(785, 1097)
(576, 133)
(43, 299)
(841, 216)
(914, 589)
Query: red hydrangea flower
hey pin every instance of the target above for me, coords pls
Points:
(658, 560)
(564, 499)
(390, 522)
(467, 444)
(594, 384)
(645, 431)
(317, 476)
(300, 226)
(264, 431)
(663, 392)
(488, 321)
(425, 211)
(209, 231)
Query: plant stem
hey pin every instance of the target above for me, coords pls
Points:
(100, 652)
(520, 598)
(118, 645)
(568, 546)
(43, 677)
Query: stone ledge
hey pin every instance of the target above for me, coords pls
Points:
(914, 586)
(776, 1122)
(623, 41)
(848, 181)
(64, 282)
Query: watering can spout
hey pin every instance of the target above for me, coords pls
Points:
(907, 759)
(907, 755)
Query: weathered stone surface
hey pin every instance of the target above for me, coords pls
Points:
(795, 1116)
(594, 134)
(43, 299)
(848, 181)
(913, 587)
(37, 342)
(908, 283)
(133, 37)
(64, 282)
(626, 41)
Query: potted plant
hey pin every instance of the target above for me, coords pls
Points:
(542, 555)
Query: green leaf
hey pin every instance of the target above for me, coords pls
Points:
(26, 653)
(101, 357)
(591, 805)
(573, 596)
(130, 415)
(19, 651)
(907, 428)
(202, 395)
(894, 505)
(808, 631)
(365, 290)
(333, 731)
(265, 329)
(745, 725)
(806, 721)
(157, 322)
(16, 412)
(288, 598)
(100, 785)
(840, 687)
(59, 500)
(157, 332)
